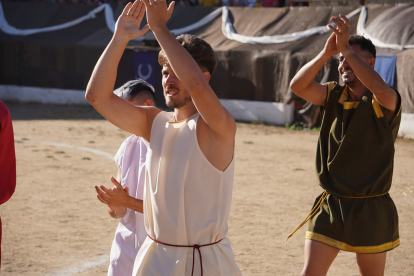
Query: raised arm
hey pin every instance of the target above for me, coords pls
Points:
(99, 93)
(303, 83)
(386, 96)
(186, 69)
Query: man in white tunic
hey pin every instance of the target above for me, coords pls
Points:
(190, 159)
(130, 160)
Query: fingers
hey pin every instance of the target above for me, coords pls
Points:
(126, 189)
(141, 13)
(99, 191)
(146, 3)
(346, 21)
(333, 29)
(145, 29)
(342, 23)
(138, 10)
(171, 8)
(106, 191)
(116, 183)
(126, 9)
(102, 200)
(133, 8)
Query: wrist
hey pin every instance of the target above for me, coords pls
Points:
(160, 29)
(324, 56)
(346, 50)
(119, 41)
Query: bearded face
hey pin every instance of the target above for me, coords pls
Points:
(175, 93)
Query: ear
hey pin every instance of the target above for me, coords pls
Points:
(148, 102)
(371, 62)
(207, 76)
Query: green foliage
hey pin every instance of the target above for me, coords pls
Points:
(300, 126)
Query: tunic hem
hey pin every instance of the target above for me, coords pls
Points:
(356, 249)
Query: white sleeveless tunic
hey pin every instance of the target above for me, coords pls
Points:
(186, 201)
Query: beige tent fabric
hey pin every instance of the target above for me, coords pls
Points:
(186, 202)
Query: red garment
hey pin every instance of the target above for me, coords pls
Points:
(270, 3)
(7, 159)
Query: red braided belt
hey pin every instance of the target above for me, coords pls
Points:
(195, 246)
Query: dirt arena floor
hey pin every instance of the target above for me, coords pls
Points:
(54, 225)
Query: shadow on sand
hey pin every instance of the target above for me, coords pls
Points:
(36, 111)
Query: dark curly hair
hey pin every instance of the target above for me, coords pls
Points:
(364, 43)
(200, 50)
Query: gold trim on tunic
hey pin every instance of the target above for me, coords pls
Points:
(351, 105)
(377, 108)
(346, 247)
(319, 206)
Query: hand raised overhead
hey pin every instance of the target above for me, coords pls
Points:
(129, 22)
(158, 13)
(330, 48)
(341, 31)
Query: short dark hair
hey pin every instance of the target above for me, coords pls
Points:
(200, 50)
(138, 90)
(365, 44)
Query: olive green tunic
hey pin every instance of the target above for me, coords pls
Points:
(354, 164)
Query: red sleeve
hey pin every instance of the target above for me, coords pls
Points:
(7, 155)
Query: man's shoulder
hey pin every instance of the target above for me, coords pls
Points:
(163, 117)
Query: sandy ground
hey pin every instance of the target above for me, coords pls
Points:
(54, 225)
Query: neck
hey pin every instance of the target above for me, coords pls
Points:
(356, 91)
(185, 112)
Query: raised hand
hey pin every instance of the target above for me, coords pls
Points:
(158, 13)
(330, 48)
(129, 22)
(341, 31)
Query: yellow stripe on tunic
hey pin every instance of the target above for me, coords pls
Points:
(346, 247)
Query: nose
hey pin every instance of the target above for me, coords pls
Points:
(344, 62)
(170, 79)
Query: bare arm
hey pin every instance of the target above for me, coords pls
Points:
(303, 83)
(205, 100)
(99, 93)
(386, 96)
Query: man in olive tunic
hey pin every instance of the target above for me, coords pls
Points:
(354, 160)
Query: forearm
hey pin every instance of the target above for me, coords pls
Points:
(190, 74)
(184, 66)
(371, 79)
(102, 81)
(306, 75)
(135, 204)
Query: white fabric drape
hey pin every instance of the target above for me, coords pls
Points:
(230, 33)
(227, 28)
(6, 28)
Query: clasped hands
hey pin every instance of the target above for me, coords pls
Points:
(115, 198)
(129, 22)
(339, 39)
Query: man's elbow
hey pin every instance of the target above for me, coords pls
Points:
(89, 96)
(294, 86)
